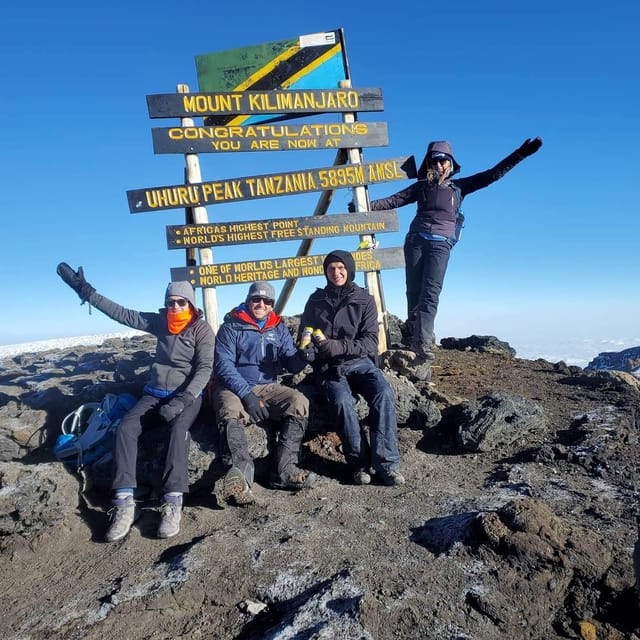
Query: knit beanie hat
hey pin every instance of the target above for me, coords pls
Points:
(261, 289)
(347, 260)
(182, 289)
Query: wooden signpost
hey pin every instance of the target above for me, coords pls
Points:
(269, 137)
(265, 103)
(240, 115)
(215, 234)
(280, 268)
(178, 196)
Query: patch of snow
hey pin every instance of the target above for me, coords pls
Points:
(10, 350)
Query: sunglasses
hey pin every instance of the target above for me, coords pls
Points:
(439, 160)
(176, 302)
(267, 301)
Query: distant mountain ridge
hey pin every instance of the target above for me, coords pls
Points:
(626, 360)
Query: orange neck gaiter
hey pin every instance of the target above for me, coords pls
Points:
(177, 321)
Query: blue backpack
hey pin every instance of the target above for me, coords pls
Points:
(88, 433)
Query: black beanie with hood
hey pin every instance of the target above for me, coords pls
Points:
(347, 260)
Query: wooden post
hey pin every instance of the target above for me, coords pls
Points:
(199, 216)
(372, 278)
(305, 246)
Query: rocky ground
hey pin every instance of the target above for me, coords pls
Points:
(518, 518)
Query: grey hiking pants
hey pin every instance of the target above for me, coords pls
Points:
(286, 405)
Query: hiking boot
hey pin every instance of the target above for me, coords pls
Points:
(424, 353)
(122, 515)
(171, 512)
(361, 476)
(294, 480)
(391, 478)
(236, 489)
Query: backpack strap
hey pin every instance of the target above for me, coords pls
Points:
(459, 215)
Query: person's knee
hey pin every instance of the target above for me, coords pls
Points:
(300, 406)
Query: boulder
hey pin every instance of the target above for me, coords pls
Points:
(498, 420)
(36, 497)
(481, 344)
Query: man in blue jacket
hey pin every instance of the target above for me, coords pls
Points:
(347, 316)
(253, 346)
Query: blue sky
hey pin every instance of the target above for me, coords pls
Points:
(549, 256)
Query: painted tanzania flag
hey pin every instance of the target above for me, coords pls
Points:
(314, 61)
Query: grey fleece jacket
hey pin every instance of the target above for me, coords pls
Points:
(183, 361)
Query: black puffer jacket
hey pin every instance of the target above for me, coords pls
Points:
(353, 321)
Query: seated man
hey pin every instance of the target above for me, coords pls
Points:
(346, 314)
(253, 345)
(172, 397)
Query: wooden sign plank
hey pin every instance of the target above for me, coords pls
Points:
(191, 105)
(255, 231)
(271, 185)
(215, 275)
(269, 137)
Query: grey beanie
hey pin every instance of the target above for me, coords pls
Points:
(182, 289)
(262, 289)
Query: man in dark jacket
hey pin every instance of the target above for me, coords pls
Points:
(253, 346)
(436, 228)
(346, 314)
(172, 396)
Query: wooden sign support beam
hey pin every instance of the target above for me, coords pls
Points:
(372, 278)
(305, 246)
(198, 215)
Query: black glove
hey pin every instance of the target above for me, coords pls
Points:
(351, 207)
(529, 147)
(75, 279)
(176, 406)
(255, 407)
(330, 348)
(308, 354)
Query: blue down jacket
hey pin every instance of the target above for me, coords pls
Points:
(247, 355)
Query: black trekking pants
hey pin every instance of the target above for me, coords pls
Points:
(425, 264)
(144, 415)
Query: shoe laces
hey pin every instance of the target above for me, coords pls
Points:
(170, 508)
(120, 511)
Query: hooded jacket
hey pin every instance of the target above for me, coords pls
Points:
(183, 361)
(247, 355)
(349, 315)
(438, 204)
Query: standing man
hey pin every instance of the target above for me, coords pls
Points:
(346, 314)
(253, 346)
(172, 396)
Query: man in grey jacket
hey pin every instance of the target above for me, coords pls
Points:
(172, 397)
